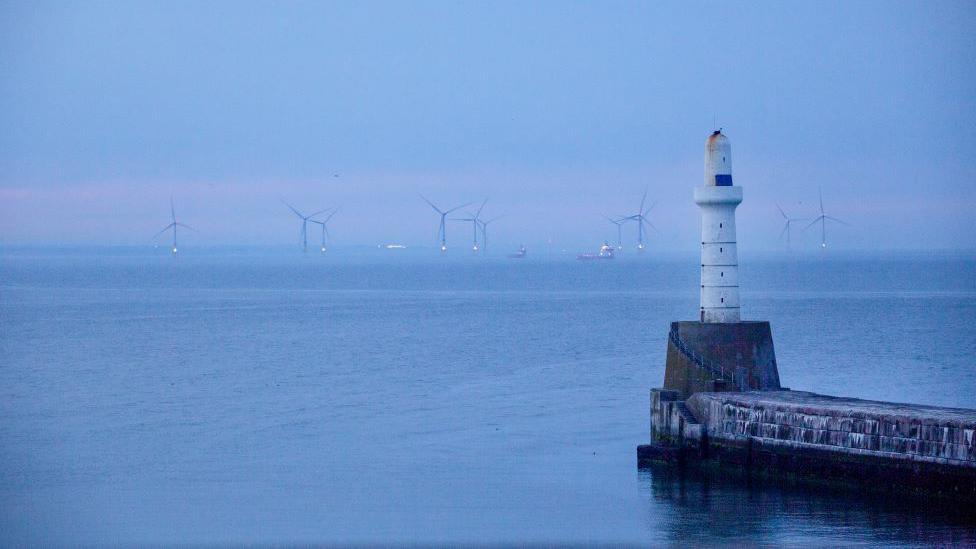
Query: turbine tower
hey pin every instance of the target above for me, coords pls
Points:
(786, 227)
(619, 223)
(173, 225)
(475, 220)
(823, 218)
(484, 231)
(718, 199)
(305, 219)
(325, 228)
(641, 219)
(442, 228)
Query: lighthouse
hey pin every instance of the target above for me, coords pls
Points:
(718, 198)
(719, 351)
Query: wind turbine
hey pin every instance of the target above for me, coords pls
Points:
(641, 219)
(619, 223)
(786, 227)
(173, 225)
(823, 218)
(442, 228)
(484, 231)
(304, 219)
(325, 228)
(474, 219)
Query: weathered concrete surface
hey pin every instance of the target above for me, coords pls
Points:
(671, 420)
(797, 419)
(742, 349)
(904, 448)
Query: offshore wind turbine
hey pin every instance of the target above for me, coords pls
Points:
(822, 219)
(641, 218)
(305, 219)
(173, 225)
(484, 231)
(442, 228)
(474, 219)
(619, 223)
(325, 228)
(789, 221)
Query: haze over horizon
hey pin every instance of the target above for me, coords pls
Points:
(558, 113)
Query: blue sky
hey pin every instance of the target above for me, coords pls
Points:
(559, 112)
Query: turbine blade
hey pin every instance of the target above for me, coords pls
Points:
(436, 209)
(837, 220)
(184, 225)
(781, 211)
(457, 208)
(820, 192)
(812, 223)
(481, 208)
(292, 208)
(643, 198)
(785, 228)
(335, 211)
(172, 209)
(166, 228)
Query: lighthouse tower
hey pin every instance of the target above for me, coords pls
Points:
(717, 199)
(719, 351)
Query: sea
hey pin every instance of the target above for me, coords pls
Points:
(370, 396)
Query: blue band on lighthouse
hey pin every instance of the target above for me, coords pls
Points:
(723, 180)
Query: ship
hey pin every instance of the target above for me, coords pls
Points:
(606, 252)
(519, 254)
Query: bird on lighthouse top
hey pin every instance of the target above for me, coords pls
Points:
(718, 160)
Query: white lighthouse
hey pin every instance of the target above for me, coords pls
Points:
(717, 199)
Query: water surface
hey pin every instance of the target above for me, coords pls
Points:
(252, 397)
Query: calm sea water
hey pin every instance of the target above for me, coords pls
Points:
(265, 398)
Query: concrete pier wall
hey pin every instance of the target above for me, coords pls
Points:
(797, 419)
(736, 356)
(876, 445)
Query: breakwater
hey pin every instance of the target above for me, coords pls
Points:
(880, 446)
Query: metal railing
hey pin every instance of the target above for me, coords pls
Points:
(716, 370)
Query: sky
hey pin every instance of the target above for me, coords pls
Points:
(559, 113)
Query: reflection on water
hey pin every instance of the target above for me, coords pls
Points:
(718, 506)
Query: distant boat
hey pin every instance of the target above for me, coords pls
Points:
(394, 246)
(519, 254)
(606, 252)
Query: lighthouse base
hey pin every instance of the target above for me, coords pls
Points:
(733, 356)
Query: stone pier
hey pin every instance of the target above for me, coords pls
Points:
(879, 446)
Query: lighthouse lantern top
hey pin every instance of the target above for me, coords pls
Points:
(718, 160)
